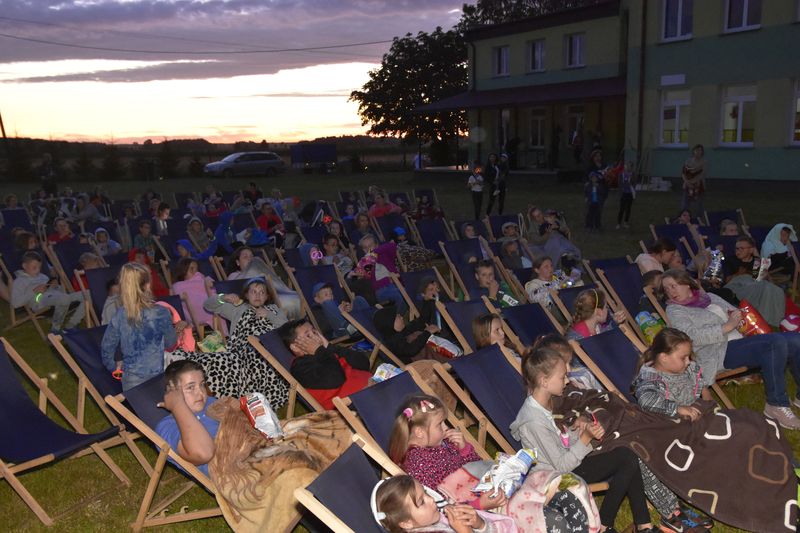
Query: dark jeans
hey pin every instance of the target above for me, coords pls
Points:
(594, 212)
(625, 204)
(501, 198)
(477, 200)
(620, 468)
(769, 352)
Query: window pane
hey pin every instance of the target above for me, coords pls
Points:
(797, 119)
(748, 121)
(579, 53)
(730, 120)
(753, 12)
(686, 17)
(668, 125)
(683, 127)
(735, 13)
(671, 18)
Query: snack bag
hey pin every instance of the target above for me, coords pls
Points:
(261, 415)
(714, 269)
(752, 322)
(763, 268)
(213, 342)
(650, 324)
(508, 474)
(444, 347)
(385, 371)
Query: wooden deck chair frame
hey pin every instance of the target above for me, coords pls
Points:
(343, 406)
(304, 303)
(414, 312)
(562, 307)
(514, 284)
(85, 387)
(295, 387)
(56, 264)
(150, 514)
(509, 333)
(31, 315)
(739, 211)
(90, 316)
(610, 291)
(455, 276)
(9, 471)
(651, 297)
(378, 346)
(587, 265)
(457, 333)
(318, 509)
(160, 247)
(486, 222)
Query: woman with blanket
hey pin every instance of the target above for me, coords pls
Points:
(244, 265)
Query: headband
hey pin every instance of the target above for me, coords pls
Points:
(596, 298)
(374, 505)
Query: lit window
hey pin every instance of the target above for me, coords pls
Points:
(536, 56)
(573, 48)
(675, 113)
(537, 128)
(739, 115)
(500, 60)
(677, 21)
(796, 115)
(742, 15)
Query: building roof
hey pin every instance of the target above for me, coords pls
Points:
(569, 16)
(530, 95)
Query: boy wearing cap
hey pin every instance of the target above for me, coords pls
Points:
(328, 312)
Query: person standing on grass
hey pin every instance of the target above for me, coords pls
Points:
(628, 188)
(693, 174)
(475, 185)
(595, 191)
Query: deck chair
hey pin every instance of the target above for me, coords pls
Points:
(456, 254)
(611, 262)
(95, 292)
(362, 321)
(340, 495)
(624, 285)
(408, 285)
(497, 388)
(459, 316)
(728, 243)
(387, 223)
(313, 234)
(431, 231)
(271, 347)
(527, 322)
(289, 258)
(430, 193)
(715, 218)
(564, 299)
(65, 258)
(681, 235)
(15, 313)
(144, 415)
(400, 198)
(758, 233)
(457, 225)
(304, 278)
(182, 198)
(31, 439)
(494, 223)
(80, 350)
(371, 411)
(612, 356)
(17, 218)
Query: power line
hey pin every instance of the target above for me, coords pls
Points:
(188, 52)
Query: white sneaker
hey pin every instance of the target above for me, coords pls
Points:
(796, 402)
(783, 416)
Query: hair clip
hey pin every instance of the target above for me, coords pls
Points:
(426, 405)
(408, 412)
(374, 505)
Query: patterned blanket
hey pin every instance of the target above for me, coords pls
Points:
(255, 479)
(734, 464)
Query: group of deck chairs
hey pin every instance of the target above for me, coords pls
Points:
(487, 382)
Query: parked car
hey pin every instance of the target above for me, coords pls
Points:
(246, 164)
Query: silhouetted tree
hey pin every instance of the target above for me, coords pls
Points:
(112, 168)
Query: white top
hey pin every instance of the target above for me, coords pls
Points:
(475, 183)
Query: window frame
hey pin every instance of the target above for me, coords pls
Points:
(539, 114)
(531, 54)
(676, 104)
(794, 116)
(581, 49)
(500, 59)
(745, 26)
(741, 100)
(679, 36)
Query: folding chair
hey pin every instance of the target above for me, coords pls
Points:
(182, 198)
(368, 410)
(431, 231)
(458, 253)
(279, 357)
(495, 384)
(30, 315)
(459, 316)
(95, 292)
(313, 234)
(624, 285)
(430, 193)
(400, 198)
(715, 218)
(144, 415)
(65, 257)
(387, 223)
(31, 439)
(758, 233)
(564, 299)
(80, 350)
(408, 285)
(304, 278)
(480, 228)
(495, 224)
(605, 264)
(612, 356)
(289, 258)
(680, 234)
(340, 495)
(17, 218)
(362, 321)
(527, 322)
(728, 243)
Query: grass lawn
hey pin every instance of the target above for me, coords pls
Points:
(62, 485)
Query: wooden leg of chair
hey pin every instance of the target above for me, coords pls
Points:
(109, 462)
(26, 496)
(38, 327)
(137, 453)
(152, 485)
(722, 396)
(292, 400)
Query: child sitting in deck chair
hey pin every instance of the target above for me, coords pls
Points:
(328, 312)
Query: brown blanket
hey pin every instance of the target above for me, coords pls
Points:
(733, 464)
(255, 479)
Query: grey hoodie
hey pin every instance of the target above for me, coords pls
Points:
(22, 289)
(663, 393)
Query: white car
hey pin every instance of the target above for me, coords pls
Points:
(246, 164)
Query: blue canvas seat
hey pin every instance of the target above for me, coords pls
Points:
(612, 357)
(432, 231)
(459, 316)
(528, 322)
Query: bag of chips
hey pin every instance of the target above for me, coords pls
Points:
(261, 415)
(752, 322)
(444, 347)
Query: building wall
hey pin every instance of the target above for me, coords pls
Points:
(705, 64)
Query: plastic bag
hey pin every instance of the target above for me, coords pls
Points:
(714, 269)
(444, 347)
(508, 474)
(261, 415)
(650, 324)
(752, 322)
(385, 371)
(213, 342)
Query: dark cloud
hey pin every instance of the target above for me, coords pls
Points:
(193, 27)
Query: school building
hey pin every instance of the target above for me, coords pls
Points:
(647, 79)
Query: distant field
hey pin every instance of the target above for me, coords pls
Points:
(59, 487)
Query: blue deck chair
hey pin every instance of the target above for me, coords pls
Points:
(117, 208)
(340, 495)
(110, 226)
(400, 198)
(314, 234)
(176, 302)
(528, 322)
(229, 286)
(32, 439)
(497, 388)
(759, 234)
(290, 257)
(304, 279)
(728, 243)
(242, 221)
(432, 231)
(592, 265)
(144, 415)
(408, 283)
(612, 357)
(496, 224)
(624, 285)
(480, 228)
(67, 255)
(229, 196)
(182, 198)
(681, 235)
(459, 316)
(715, 218)
(430, 193)
(565, 298)
(341, 208)
(279, 357)
(351, 197)
(361, 319)
(457, 255)
(387, 223)
(97, 279)
(17, 218)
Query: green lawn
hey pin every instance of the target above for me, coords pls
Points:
(61, 486)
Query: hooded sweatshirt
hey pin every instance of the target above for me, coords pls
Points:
(22, 290)
(662, 392)
(397, 341)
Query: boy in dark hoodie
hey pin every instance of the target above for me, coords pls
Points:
(406, 341)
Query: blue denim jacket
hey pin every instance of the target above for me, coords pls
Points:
(142, 345)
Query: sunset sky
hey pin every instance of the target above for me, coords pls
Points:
(63, 76)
